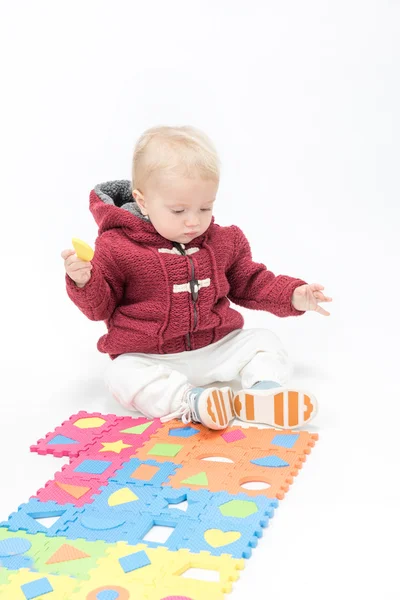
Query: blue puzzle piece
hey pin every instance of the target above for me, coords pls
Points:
(167, 502)
(61, 439)
(93, 467)
(33, 589)
(134, 561)
(180, 531)
(25, 518)
(162, 472)
(270, 461)
(253, 511)
(286, 440)
(93, 525)
(148, 499)
(184, 432)
(229, 536)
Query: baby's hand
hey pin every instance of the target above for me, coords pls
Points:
(307, 297)
(78, 270)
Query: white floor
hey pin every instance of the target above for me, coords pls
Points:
(302, 100)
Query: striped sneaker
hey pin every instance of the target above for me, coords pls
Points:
(213, 407)
(270, 403)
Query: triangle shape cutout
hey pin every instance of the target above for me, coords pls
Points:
(46, 521)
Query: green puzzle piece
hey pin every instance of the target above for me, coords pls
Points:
(38, 542)
(45, 550)
(4, 574)
(165, 450)
(75, 563)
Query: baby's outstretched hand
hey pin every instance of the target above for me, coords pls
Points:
(78, 270)
(307, 297)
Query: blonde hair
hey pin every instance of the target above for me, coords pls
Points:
(174, 151)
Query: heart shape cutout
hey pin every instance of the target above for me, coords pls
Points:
(217, 538)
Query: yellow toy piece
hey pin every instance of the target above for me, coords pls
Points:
(62, 585)
(162, 574)
(82, 249)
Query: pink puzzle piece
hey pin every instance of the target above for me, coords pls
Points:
(90, 469)
(75, 434)
(121, 442)
(64, 491)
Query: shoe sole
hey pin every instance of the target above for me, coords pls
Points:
(217, 411)
(282, 407)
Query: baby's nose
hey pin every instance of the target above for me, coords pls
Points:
(192, 221)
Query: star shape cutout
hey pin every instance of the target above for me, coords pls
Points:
(116, 447)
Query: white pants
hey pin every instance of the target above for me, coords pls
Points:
(155, 384)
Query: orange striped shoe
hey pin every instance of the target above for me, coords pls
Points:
(272, 404)
(213, 407)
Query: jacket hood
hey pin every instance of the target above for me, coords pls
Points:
(113, 206)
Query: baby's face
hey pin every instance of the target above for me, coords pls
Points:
(179, 209)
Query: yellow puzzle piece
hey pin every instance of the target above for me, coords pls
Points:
(82, 249)
(158, 573)
(53, 587)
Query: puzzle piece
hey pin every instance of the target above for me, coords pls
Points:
(19, 550)
(28, 515)
(176, 432)
(159, 569)
(117, 499)
(94, 525)
(229, 537)
(26, 585)
(124, 439)
(84, 469)
(174, 450)
(149, 472)
(75, 434)
(108, 502)
(66, 491)
(185, 589)
(125, 563)
(253, 438)
(228, 569)
(75, 558)
(103, 587)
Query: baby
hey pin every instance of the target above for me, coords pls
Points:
(163, 277)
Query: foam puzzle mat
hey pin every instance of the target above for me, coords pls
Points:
(86, 535)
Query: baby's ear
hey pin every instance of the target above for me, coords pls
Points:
(139, 199)
(136, 194)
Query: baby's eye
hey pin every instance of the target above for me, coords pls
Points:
(206, 209)
(178, 212)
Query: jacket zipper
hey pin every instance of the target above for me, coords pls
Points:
(194, 290)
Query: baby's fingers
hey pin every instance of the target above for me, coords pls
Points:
(322, 311)
(67, 253)
(321, 297)
(79, 265)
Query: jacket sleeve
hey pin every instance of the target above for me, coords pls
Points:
(104, 291)
(252, 285)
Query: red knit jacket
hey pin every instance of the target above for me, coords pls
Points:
(160, 298)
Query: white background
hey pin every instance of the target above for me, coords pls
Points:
(302, 100)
